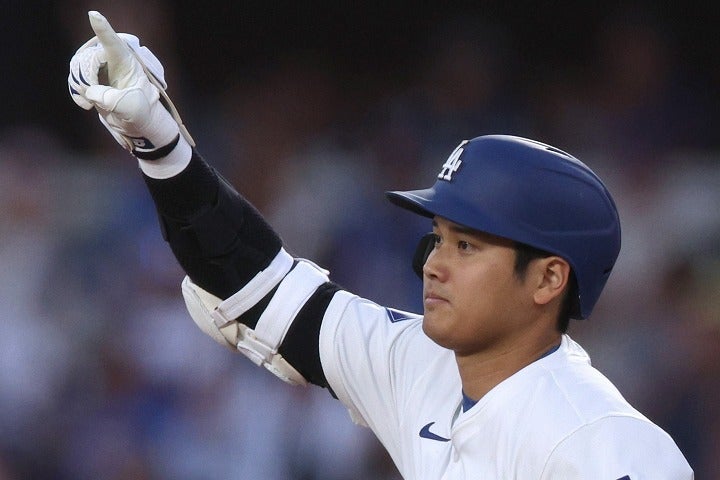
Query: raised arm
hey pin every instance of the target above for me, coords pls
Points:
(242, 288)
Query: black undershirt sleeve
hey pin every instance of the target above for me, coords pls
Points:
(222, 242)
(304, 336)
(219, 238)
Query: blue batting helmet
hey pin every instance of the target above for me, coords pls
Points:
(531, 193)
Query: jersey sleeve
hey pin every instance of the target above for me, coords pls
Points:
(618, 448)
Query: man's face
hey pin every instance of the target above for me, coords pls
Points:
(473, 300)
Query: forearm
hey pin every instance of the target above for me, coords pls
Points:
(219, 238)
(222, 242)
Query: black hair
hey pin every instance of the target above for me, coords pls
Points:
(524, 254)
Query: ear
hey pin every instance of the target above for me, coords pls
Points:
(553, 274)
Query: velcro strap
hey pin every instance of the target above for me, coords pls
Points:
(295, 289)
(254, 291)
(145, 150)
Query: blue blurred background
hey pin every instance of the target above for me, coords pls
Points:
(313, 109)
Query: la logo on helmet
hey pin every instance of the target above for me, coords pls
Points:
(452, 164)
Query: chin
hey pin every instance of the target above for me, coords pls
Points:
(436, 331)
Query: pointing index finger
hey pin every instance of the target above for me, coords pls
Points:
(117, 54)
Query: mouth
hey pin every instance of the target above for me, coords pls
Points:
(432, 299)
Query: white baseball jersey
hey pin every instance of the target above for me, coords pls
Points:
(558, 418)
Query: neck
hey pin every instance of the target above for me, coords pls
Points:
(482, 371)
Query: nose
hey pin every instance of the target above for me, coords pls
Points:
(434, 265)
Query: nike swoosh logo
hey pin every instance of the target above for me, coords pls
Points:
(426, 433)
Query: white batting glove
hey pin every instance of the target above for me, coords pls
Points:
(133, 105)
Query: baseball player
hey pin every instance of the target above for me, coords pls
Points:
(486, 384)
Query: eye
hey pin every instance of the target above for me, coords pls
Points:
(437, 240)
(465, 246)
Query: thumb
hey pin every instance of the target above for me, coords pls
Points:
(117, 54)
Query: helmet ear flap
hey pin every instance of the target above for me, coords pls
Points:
(422, 252)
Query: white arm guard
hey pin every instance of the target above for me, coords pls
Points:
(217, 318)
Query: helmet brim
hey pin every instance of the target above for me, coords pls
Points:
(416, 201)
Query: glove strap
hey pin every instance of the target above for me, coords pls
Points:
(145, 150)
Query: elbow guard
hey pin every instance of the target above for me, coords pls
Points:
(289, 283)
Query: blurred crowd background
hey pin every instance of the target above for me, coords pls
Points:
(313, 110)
